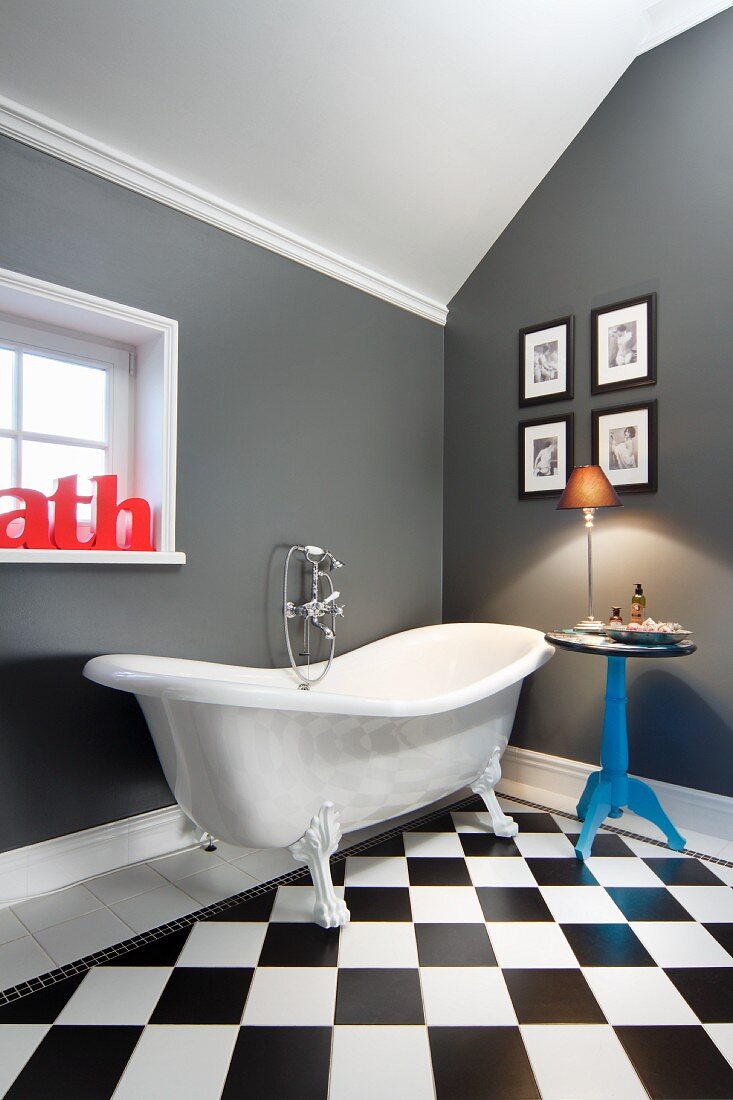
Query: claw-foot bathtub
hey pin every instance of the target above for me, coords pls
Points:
(393, 727)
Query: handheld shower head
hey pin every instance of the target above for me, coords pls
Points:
(335, 563)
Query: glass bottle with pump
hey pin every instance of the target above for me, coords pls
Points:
(638, 605)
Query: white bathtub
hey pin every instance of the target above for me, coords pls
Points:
(394, 726)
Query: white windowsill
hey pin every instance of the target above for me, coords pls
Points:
(95, 557)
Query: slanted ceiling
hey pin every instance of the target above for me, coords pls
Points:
(385, 142)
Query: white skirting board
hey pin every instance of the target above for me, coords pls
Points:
(536, 776)
(529, 774)
(62, 861)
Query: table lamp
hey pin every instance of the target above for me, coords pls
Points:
(589, 488)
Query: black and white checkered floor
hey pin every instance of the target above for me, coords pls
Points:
(473, 968)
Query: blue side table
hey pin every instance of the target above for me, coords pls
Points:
(608, 791)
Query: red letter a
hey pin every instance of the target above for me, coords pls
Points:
(138, 527)
(34, 534)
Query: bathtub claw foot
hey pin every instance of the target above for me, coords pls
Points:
(501, 823)
(315, 848)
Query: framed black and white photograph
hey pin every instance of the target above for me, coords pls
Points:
(625, 446)
(623, 345)
(545, 456)
(546, 362)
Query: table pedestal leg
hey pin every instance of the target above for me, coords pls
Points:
(609, 790)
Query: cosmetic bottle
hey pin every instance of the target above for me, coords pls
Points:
(638, 605)
(615, 619)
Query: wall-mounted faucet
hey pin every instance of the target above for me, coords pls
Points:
(322, 563)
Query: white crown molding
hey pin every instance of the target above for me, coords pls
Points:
(668, 18)
(65, 860)
(41, 132)
(531, 773)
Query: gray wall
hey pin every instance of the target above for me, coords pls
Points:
(642, 200)
(313, 410)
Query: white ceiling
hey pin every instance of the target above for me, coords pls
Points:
(400, 135)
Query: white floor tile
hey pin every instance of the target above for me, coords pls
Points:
(432, 844)
(126, 883)
(622, 871)
(183, 864)
(581, 905)
(22, 959)
(725, 874)
(706, 844)
(708, 904)
(726, 851)
(392, 1063)
(547, 845)
(17, 1043)
(181, 1061)
(567, 824)
(221, 943)
(499, 871)
(267, 864)
(722, 1036)
(530, 944)
(291, 996)
(651, 851)
(228, 852)
(10, 927)
(580, 1062)
(155, 907)
(638, 995)
(373, 943)
(445, 905)
(216, 884)
(63, 905)
(466, 997)
(83, 936)
(295, 903)
(680, 944)
(473, 822)
(116, 995)
(376, 871)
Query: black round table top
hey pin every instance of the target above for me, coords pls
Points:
(602, 646)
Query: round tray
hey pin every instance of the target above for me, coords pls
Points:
(647, 637)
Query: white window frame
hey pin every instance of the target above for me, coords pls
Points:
(145, 399)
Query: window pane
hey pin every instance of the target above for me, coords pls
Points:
(7, 504)
(7, 365)
(43, 463)
(64, 398)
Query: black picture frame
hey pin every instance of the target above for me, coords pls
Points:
(567, 420)
(530, 393)
(644, 345)
(602, 454)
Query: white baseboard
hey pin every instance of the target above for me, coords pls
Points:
(62, 861)
(562, 781)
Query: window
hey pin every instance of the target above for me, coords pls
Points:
(64, 409)
(70, 405)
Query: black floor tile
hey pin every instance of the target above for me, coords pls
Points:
(723, 933)
(392, 846)
(162, 952)
(531, 822)
(647, 903)
(683, 872)
(42, 1007)
(427, 871)
(379, 996)
(561, 872)
(300, 945)
(604, 844)
(486, 844)
(677, 1063)
(514, 903)
(454, 945)
(279, 1063)
(254, 909)
(552, 997)
(481, 1063)
(606, 945)
(388, 903)
(203, 995)
(708, 991)
(442, 824)
(76, 1063)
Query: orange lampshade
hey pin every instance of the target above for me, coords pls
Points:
(588, 487)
